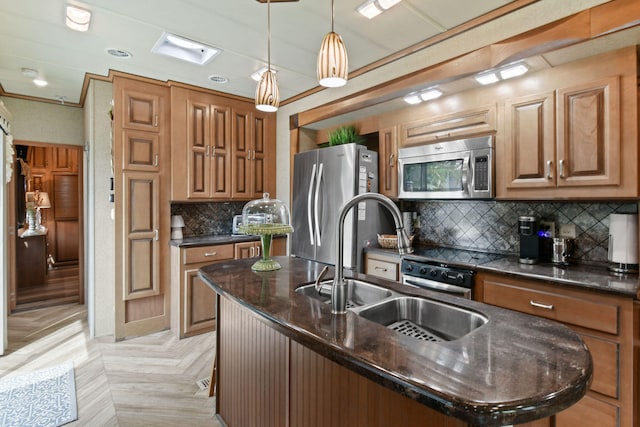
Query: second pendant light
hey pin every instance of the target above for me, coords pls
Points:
(333, 63)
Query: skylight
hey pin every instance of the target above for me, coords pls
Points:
(184, 49)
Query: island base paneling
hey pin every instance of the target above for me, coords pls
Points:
(266, 379)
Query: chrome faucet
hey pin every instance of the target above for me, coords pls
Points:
(339, 287)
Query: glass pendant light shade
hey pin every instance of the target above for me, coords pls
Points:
(333, 63)
(267, 94)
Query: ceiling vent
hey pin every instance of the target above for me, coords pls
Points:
(184, 49)
(119, 53)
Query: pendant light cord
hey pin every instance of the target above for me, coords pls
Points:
(332, 13)
(269, 34)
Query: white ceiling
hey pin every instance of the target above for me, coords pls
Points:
(33, 35)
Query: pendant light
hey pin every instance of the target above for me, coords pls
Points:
(332, 59)
(267, 94)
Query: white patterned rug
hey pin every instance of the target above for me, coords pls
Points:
(42, 398)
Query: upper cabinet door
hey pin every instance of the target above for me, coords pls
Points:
(220, 152)
(141, 109)
(198, 134)
(388, 162)
(242, 154)
(588, 138)
(529, 147)
(140, 150)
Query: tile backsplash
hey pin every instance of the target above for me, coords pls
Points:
(203, 219)
(492, 226)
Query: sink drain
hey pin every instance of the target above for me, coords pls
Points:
(410, 329)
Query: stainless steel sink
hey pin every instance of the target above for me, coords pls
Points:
(423, 319)
(359, 293)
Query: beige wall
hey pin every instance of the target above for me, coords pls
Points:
(45, 122)
(533, 16)
(100, 214)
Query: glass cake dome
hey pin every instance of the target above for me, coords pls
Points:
(265, 217)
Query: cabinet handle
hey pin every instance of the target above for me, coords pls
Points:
(254, 155)
(155, 232)
(380, 269)
(258, 250)
(249, 155)
(537, 304)
(391, 157)
(206, 153)
(213, 151)
(155, 162)
(549, 176)
(210, 253)
(252, 252)
(561, 168)
(155, 121)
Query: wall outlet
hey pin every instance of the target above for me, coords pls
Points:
(549, 228)
(567, 231)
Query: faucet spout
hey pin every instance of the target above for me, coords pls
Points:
(339, 287)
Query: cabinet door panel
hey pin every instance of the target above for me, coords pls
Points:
(529, 141)
(221, 152)
(67, 241)
(200, 304)
(588, 411)
(241, 143)
(387, 162)
(589, 133)
(140, 150)
(65, 159)
(199, 147)
(141, 110)
(141, 251)
(605, 365)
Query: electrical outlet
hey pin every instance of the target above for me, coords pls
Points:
(567, 231)
(549, 228)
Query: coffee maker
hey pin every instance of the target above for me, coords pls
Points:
(530, 241)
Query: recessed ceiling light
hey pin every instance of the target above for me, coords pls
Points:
(29, 72)
(412, 98)
(372, 8)
(77, 19)
(39, 81)
(513, 71)
(119, 53)
(184, 49)
(430, 94)
(218, 79)
(487, 79)
(258, 74)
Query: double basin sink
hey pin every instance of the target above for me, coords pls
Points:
(420, 318)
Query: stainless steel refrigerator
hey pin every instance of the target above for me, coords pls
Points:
(323, 181)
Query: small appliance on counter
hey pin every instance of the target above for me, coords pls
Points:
(530, 243)
(623, 243)
(562, 252)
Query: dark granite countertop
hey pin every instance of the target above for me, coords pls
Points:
(593, 277)
(218, 239)
(513, 369)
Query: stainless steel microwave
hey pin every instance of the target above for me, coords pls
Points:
(460, 169)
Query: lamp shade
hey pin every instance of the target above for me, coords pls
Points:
(333, 63)
(43, 200)
(267, 93)
(177, 221)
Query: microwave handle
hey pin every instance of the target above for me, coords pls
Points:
(309, 206)
(466, 167)
(316, 207)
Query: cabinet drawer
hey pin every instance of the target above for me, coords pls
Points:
(605, 365)
(568, 309)
(588, 411)
(208, 253)
(383, 269)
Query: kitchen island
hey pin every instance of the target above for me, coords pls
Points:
(284, 359)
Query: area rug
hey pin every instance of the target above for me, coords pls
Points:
(42, 398)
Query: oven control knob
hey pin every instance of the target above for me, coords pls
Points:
(443, 274)
(433, 273)
(423, 270)
(409, 267)
(460, 278)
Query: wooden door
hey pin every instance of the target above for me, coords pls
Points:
(220, 152)
(588, 140)
(528, 144)
(199, 309)
(64, 226)
(387, 162)
(141, 106)
(241, 157)
(199, 147)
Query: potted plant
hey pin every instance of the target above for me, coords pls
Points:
(344, 135)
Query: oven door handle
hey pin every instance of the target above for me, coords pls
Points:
(435, 286)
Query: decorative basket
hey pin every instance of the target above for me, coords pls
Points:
(390, 241)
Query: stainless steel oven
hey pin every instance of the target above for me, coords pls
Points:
(461, 169)
(436, 276)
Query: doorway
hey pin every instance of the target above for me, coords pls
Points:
(45, 204)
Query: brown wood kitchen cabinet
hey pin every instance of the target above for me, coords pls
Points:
(141, 182)
(222, 148)
(606, 324)
(576, 139)
(388, 162)
(254, 248)
(381, 265)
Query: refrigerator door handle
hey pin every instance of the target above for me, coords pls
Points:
(309, 205)
(316, 207)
